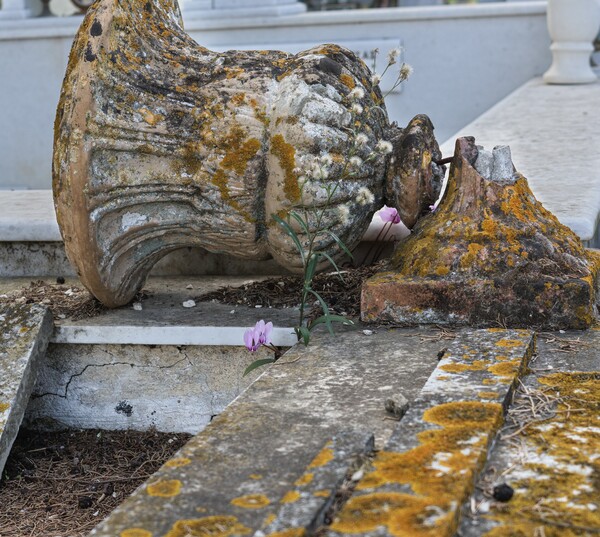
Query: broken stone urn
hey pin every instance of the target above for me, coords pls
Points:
(162, 144)
(490, 255)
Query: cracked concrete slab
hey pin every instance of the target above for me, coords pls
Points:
(24, 333)
(255, 457)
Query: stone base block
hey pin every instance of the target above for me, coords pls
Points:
(549, 303)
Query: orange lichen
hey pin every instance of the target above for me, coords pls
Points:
(324, 456)
(4, 407)
(135, 532)
(489, 382)
(322, 493)
(347, 80)
(286, 154)
(402, 514)
(269, 519)
(176, 463)
(164, 488)
(304, 480)
(149, 117)
(505, 369)
(291, 496)
(215, 526)
(560, 497)
(487, 395)
(255, 476)
(477, 365)
(251, 501)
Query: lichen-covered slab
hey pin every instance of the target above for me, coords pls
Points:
(24, 333)
(490, 255)
(419, 482)
(162, 144)
(549, 456)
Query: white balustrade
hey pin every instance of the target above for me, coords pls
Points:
(573, 25)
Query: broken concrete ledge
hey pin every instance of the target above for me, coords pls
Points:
(308, 420)
(25, 329)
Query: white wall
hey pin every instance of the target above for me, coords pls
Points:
(465, 58)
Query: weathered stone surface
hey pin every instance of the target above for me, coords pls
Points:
(24, 333)
(161, 143)
(250, 464)
(489, 255)
(419, 481)
(548, 456)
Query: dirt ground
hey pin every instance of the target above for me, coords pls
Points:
(63, 484)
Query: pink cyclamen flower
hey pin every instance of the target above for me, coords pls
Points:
(389, 214)
(259, 335)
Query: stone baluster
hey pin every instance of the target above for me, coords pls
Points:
(215, 9)
(20, 9)
(573, 25)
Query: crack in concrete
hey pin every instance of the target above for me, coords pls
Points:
(72, 377)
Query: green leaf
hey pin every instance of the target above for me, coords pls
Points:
(258, 363)
(333, 263)
(332, 318)
(339, 242)
(303, 333)
(300, 221)
(311, 267)
(292, 234)
(325, 311)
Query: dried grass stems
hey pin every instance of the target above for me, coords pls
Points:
(563, 344)
(63, 484)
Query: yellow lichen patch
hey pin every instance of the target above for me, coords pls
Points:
(324, 456)
(443, 377)
(178, 462)
(269, 520)
(23, 329)
(304, 480)
(557, 486)
(164, 488)
(135, 532)
(509, 343)
(4, 407)
(471, 255)
(477, 365)
(505, 369)
(443, 464)
(286, 154)
(465, 414)
(255, 476)
(149, 117)
(489, 382)
(347, 80)
(487, 395)
(402, 514)
(238, 99)
(201, 509)
(322, 493)
(290, 497)
(291, 532)
(251, 501)
(213, 526)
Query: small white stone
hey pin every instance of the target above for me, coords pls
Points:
(137, 306)
(189, 304)
(61, 316)
(357, 476)
(69, 292)
(258, 306)
(561, 331)
(367, 332)
(232, 312)
(189, 286)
